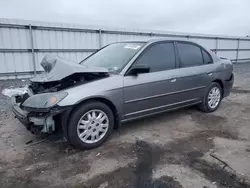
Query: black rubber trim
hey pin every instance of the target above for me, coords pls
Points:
(21, 115)
(228, 85)
(64, 122)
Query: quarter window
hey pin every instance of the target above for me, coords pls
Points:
(159, 57)
(190, 55)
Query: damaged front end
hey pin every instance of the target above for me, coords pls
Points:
(35, 119)
(36, 106)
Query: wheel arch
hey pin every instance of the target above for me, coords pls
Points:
(203, 105)
(106, 101)
(221, 85)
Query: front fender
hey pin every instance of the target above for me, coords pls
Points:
(110, 88)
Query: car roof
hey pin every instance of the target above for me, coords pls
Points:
(157, 40)
(166, 39)
(151, 41)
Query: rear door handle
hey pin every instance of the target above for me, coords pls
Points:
(209, 73)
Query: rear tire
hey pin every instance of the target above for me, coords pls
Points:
(86, 130)
(212, 99)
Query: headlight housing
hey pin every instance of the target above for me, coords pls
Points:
(45, 100)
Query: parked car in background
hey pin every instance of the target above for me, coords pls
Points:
(120, 82)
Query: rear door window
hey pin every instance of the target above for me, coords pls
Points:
(190, 54)
(159, 57)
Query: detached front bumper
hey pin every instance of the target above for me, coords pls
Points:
(38, 120)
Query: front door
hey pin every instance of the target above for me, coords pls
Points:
(152, 92)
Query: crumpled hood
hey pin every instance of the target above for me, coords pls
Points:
(55, 69)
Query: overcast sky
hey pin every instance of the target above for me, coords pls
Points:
(227, 17)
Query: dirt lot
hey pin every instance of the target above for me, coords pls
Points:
(185, 148)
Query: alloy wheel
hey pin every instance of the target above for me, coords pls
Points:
(92, 126)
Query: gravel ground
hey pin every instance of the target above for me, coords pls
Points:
(184, 148)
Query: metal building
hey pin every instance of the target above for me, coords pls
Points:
(24, 43)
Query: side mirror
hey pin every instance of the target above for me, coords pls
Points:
(138, 69)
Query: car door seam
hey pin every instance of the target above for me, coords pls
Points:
(164, 80)
(164, 94)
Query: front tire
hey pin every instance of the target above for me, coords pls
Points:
(212, 99)
(90, 125)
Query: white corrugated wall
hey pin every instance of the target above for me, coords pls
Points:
(75, 42)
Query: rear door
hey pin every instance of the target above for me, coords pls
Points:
(195, 70)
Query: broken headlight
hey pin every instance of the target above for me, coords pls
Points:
(45, 100)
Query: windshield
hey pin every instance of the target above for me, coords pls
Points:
(113, 57)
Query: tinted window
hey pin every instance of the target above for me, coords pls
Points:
(206, 57)
(159, 57)
(190, 55)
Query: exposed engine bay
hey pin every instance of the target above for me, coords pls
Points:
(72, 80)
(60, 74)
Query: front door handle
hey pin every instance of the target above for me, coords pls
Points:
(173, 80)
